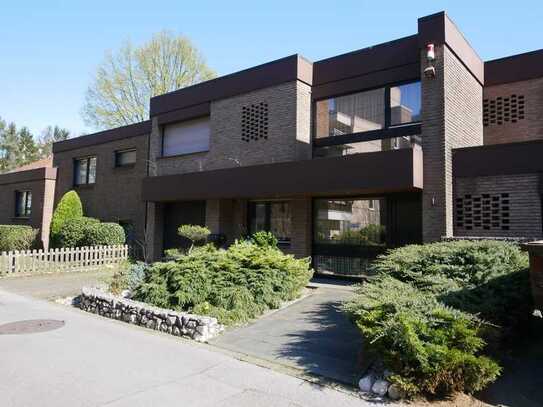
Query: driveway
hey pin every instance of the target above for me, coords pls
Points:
(92, 361)
(312, 335)
(50, 286)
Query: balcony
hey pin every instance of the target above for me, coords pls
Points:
(369, 173)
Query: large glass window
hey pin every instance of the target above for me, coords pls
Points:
(367, 111)
(355, 113)
(85, 171)
(359, 222)
(186, 137)
(274, 217)
(23, 204)
(405, 103)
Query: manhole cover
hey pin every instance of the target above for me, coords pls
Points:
(30, 326)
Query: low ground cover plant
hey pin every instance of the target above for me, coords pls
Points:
(17, 237)
(430, 310)
(234, 285)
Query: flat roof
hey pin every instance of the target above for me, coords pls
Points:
(106, 136)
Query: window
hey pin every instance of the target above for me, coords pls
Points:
(186, 137)
(405, 104)
(274, 217)
(349, 114)
(23, 204)
(373, 110)
(85, 171)
(357, 222)
(125, 158)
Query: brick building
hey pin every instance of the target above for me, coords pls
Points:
(403, 142)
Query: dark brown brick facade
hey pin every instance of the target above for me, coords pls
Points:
(502, 205)
(514, 121)
(116, 195)
(41, 183)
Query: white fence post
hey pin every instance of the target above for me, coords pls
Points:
(61, 260)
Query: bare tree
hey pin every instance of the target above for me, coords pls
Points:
(127, 79)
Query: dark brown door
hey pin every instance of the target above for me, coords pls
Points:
(181, 213)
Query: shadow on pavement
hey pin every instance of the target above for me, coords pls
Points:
(521, 383)
(328, 344)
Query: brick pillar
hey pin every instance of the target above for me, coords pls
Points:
(451, 118)
(154, 231)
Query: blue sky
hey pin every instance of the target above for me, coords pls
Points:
(50, 49)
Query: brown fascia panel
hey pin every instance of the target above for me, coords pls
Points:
(382, 57)
(514, 68)
(377, 172)
(38, 174)
(498, 159)
(440, 29)
(273, 73)
(119, 133)
(188, 113)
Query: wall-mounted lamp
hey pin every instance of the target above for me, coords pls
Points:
(433, 201)
(430, 72)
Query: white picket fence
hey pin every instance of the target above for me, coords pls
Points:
(61, 260)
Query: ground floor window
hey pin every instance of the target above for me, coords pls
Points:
(348, 234)
(23, 204)
(271, 216)
(359, 222)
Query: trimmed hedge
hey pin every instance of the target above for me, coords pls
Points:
(17, 237)
(234, 285)
(74, 232)
(69, 207)
(104, 234)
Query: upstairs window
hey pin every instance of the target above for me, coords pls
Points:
(405, 104)
(85, 171)
(23, 204)
(186, 137)
(124, 158)
(372, 110)
(355, 113)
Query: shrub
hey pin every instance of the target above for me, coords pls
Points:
(489, 278)
(69, 207)
(234, 285)
(431, 348)
(195, 233)
(17, 237)
(264, 239)
(74, 232)
(104, 234)
(127, 277)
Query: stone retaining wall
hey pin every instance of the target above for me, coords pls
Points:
(199, 328)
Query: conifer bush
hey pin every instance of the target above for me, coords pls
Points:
(234, 285)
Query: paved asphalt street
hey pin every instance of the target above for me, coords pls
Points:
(92, 361)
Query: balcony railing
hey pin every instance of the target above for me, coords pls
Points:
(396, 138)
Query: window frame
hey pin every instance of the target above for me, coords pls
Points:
(267, 217)
(344, 249)
(388, 131)
(27, 209)
(117, 153)
(87, 160)
(163, 134)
